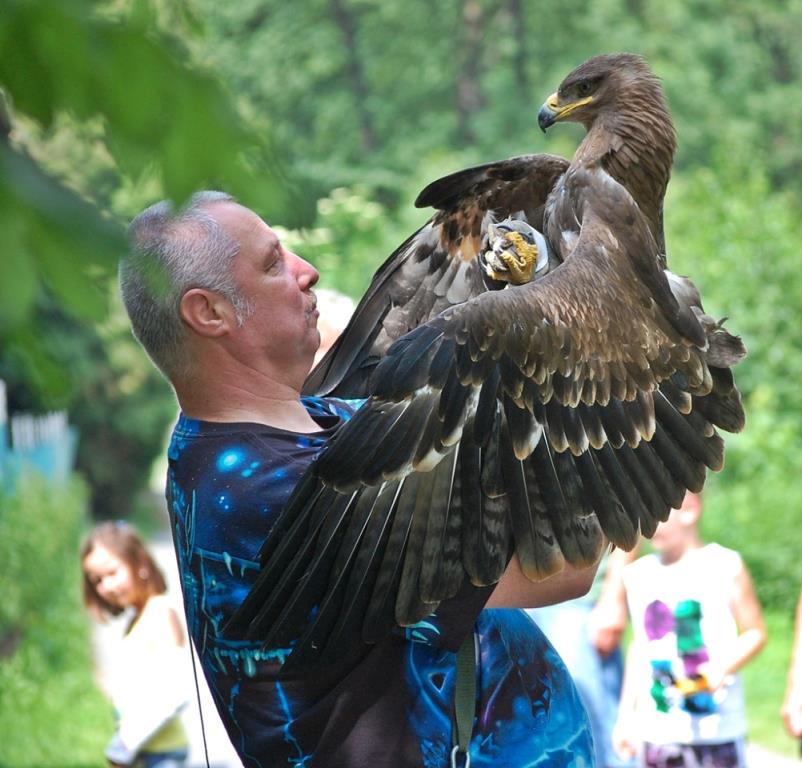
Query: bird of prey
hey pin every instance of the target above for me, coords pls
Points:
(538, 384)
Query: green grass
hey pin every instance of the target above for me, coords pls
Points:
(51, 713)
(764, 682)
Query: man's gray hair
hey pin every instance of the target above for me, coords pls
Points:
(172, 252)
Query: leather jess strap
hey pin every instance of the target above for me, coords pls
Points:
(464, 701)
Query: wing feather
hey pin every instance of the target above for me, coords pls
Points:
(441, 565)
(538, 552)
(486, 530)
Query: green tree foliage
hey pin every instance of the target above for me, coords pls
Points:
(359, 90)
(333, 77)
(739, 240)
(158, 115)
(105, 115)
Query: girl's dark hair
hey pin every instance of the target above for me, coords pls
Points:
(122, 540)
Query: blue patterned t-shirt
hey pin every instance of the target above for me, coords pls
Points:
(384, 706)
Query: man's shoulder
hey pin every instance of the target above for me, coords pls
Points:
(200, 442)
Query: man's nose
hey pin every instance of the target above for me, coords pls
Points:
(307, 274)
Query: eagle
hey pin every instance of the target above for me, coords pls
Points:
(537, 383)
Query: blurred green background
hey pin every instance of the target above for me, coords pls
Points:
(327, 117)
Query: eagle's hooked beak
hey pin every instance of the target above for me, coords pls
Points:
(548, 113)
(553, 110)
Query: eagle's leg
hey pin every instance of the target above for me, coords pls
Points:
(511, 259)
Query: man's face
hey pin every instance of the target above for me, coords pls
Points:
(277, 286)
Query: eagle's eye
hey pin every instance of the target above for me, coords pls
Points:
(584, 87)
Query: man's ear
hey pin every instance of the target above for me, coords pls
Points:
(206, 312)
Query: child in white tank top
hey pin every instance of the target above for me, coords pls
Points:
(696, 622)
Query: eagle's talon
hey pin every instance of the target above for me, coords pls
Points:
(512, 259)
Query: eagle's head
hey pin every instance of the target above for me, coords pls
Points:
(629, 129)
(608, 83)
(514, 252)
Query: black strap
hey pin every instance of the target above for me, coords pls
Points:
(464, 700)
(200, 706)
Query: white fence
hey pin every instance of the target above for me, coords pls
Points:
(45, 443)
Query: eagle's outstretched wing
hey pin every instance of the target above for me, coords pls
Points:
(436, 267)
(536, 419)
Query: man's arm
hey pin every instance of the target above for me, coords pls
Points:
(516, 591)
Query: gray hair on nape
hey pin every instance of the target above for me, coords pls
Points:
(171, 252)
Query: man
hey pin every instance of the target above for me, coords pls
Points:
(229, 316)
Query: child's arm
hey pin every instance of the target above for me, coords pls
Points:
(608, 619)
(625, 736)
(792, 706)
(751, 630)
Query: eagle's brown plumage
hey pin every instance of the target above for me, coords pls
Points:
(539, 419)
(629, 129)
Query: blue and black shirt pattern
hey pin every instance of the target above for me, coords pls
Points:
(384, 706)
